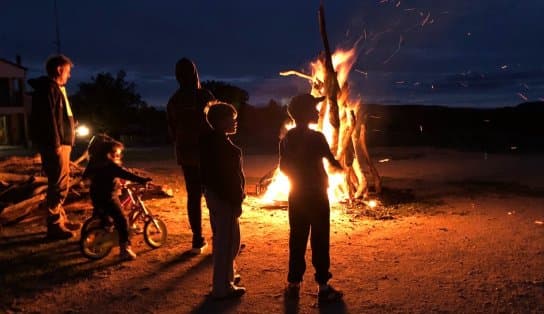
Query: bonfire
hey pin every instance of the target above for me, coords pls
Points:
(342, 120)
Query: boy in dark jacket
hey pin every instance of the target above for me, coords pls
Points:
(52, 133)
(223, 181)
(104, 170)
(301, 153)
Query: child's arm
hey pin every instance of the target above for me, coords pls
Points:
(285, 160)
(119, 172)
(328, 154)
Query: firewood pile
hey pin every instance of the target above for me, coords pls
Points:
(23, 189)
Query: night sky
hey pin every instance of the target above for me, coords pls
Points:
(476, 53)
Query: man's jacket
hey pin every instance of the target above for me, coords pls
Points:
(50, 125)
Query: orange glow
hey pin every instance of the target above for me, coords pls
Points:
(343, 61)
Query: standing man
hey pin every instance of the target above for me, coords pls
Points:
(52, 132)
(187, 123)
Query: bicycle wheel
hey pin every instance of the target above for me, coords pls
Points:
(96, 243)
(93, 222)
(155, 235)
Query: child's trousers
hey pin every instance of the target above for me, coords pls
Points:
(309, 212)
(226, 242)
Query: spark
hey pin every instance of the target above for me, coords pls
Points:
(504, 67)
(469, 33)
(384, 160)
(362, 72)
(410, 9)
(397, 5)
(383, 1)
(417, 83)
(513, 147)
(426, 19)
(525, 98)
(420, 128)
(401, 42)
(400, 82)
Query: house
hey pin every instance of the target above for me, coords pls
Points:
(15, 104)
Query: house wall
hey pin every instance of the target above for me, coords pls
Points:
(14, 105)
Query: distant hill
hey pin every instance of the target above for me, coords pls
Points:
(519, 128)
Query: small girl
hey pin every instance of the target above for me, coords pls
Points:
(104, 170)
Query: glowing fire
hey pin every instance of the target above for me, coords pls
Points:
(343, 60)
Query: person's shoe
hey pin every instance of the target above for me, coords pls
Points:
(199, 248)
(136, 229)
(74, 226)
(292, 291)
(329, 295)
(58, 232)
(237, 279)
(233, 292)
(126, 253)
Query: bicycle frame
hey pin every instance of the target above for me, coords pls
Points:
(138, 207)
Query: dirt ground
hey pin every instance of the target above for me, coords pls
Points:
(466, 237)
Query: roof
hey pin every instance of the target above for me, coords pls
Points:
(13, 64)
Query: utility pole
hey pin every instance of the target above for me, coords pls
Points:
(57, 30)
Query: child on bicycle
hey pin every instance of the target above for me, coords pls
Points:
(104, 170)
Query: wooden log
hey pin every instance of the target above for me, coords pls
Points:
(18, 160)
(15, 212)
(21, 178)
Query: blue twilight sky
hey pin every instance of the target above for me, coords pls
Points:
(477, 53)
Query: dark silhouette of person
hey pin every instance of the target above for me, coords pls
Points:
(223, 180)
(53, 134)
(301, 153)
(186, 124)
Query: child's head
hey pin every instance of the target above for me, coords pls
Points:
(222, 117)
(114, 151)
(302, 109)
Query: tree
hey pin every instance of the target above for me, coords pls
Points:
(227, 93)
(110, 104)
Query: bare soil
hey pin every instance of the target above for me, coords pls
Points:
(466, 236)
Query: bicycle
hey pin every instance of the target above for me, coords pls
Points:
(98, 235)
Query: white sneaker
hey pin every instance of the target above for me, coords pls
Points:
(201, 249)
(126, 254)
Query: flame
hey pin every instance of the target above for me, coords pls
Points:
(343, 60)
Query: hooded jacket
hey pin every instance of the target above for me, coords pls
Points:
(50, 125)
(185, 113)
